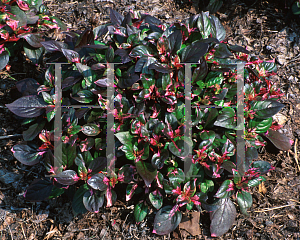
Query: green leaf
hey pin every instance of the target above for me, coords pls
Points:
(261, 125)
(4, 58)
(213, 78)
(256, 181)
(68, 154)
(204, 25)
(156, 199)
(147, 172)
(244, 199)
(178, 148)
(77, 203)
(207, 186)
(226, 119)
(33, 131)
(34, 54)
(223, 190)
(84, 96)
(90, 129)
(19, 15)
(141, 51)
(262, 166)
(222, 51)
(86, 72)
(140, 211)
(176, 177)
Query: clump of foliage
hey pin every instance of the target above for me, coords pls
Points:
(204, 5)
(18, 19)
(151, 146)
(296, 7)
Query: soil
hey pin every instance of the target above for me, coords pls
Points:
(268, 30)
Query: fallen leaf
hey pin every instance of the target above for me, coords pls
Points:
(191, 223)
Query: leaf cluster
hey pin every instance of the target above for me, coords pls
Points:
(19, 19)
(172, 162)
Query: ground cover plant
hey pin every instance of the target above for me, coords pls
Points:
(18, 19)
(149, 111)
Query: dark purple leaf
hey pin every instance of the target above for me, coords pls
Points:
(54, 45)
(219, 32)
(33, 131)
(86, 38)
(115, 17)
(71, 55)
(95, 46)
(159, 159)
(131, 30)
(228, 165)
(200, 72)
(124, 54)
(33, 39)
(100, 30)
(87, 144)
(128, 80)
(142, 65)
(146, 171)
(251, 153)
(98, 66)
(193, 52)
(102, 82)
(160, 67)
(267, 108)
(140, 211)
(26, 153)
(70, 81)
(150, 19)
(39, 190)
(127, 21)
(166, 220)
(222, 218)
(127, 171)
(279, 140)
(93, 201)
(27, 86)
(67, 177)
(175, 40)
(96, 182)
(237, 48)
(98, 164)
